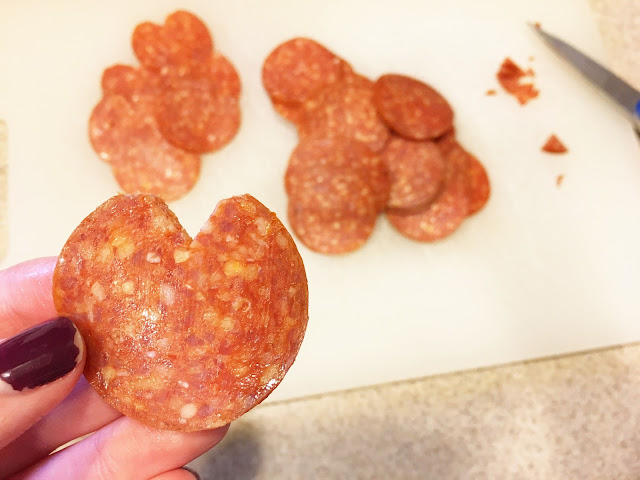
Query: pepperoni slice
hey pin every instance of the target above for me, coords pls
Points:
(125, 134)
(331, 231)
(444, 215)
(183, 334)
(324, 187)
(184, 40)
(478, 186)
(446, 142)
(130, 82)
(346, 108)
(198, 114)
(297, 70)
(416, 170)
(412, 108)
(224, 76)
(337, 154)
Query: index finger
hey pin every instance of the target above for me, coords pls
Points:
(26, 295)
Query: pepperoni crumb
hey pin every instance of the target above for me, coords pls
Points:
(510, 77)
(559, 180)
(554, 145)
(491, 92)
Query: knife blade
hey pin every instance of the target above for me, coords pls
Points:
(617, 89)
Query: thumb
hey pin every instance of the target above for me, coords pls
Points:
(38, 369)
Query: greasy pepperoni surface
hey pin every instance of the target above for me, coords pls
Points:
(183, 334)
(412, 108)
(416, 170)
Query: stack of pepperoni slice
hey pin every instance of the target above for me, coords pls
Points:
(154, 121)
(366, 148)
(336, 181)
(436, 183)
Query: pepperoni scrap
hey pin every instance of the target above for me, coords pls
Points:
(554, 145)
(183, 334)
(183, 41)
(412, 108)
(346, 108)
(125, 134)
(416, 170)
(511, 78)
(444, 215)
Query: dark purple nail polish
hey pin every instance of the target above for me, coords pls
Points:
(39, 355)
(195, 474)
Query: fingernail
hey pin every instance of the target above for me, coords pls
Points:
(39, 355)
(193, 472)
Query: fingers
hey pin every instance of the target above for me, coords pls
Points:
(179, 474)
(82, 412)
(25, 295)
(38, 369)
(124, 449)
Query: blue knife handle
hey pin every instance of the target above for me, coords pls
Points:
(638, 109)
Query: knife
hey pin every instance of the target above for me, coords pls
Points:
(617, 89)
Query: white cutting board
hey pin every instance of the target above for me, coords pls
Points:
(541, 270)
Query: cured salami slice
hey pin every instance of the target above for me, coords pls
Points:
(416, 170)
(183, 334)
(412, 108)
(444, 215)
(183, 41)
(331, 231)
(298, 69)
(125, 135)
(346, 108)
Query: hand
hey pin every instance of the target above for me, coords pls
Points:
(56, 405)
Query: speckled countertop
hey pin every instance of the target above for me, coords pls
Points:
(572, 417)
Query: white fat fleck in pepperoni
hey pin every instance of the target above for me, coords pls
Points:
(168, 294)
(188, 410)
(180, 255)
(153, 257)
(97, 291)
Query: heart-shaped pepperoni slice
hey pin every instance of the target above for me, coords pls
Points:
(183, 334)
